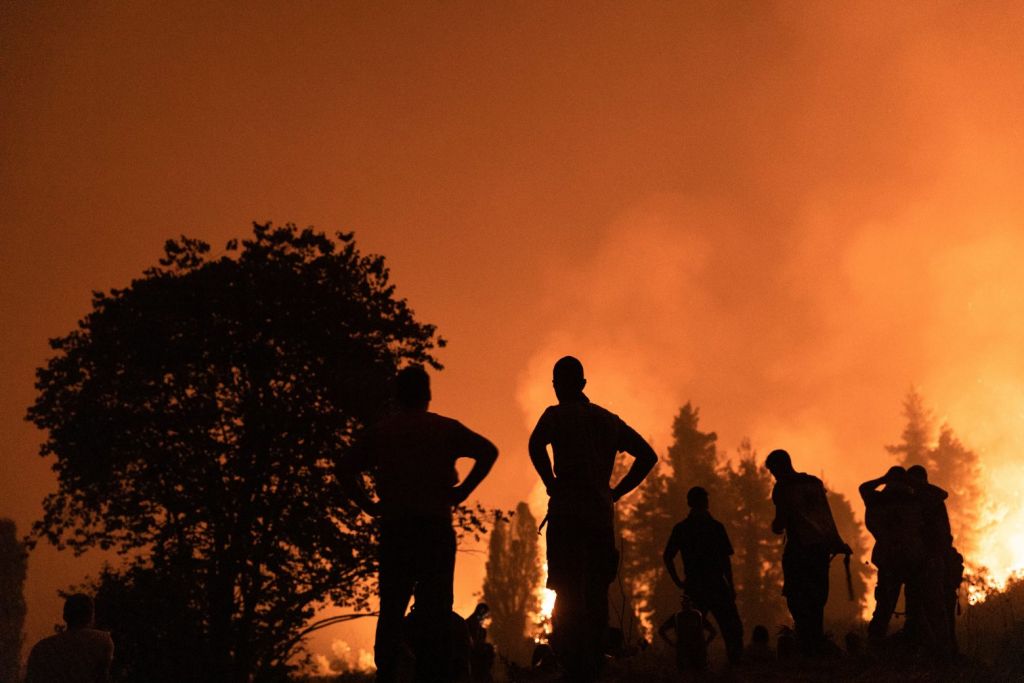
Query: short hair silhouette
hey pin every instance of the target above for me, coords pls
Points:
(697, 497)
(778, 459)
(412, 386)
(78, 610)
(895, 474)
(918, 473)
(568, 371)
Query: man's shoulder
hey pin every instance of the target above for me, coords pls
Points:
(45, 645)
(443, 420)
(603, 412)
(810, 479)
(98, 636)
(93, 637)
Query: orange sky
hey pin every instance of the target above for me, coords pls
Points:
(788, 213)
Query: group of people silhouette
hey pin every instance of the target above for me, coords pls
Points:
(573, 448)
(411, 454)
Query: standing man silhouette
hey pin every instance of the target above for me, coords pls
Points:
(705, 548)
(803, 514)
(893, 516)
(582, 559)
(411, 456)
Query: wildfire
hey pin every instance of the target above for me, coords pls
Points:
(546, 602)
(1000, 553)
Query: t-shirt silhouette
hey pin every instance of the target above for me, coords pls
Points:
(412, 455)
(584, 440)
(80, 655)
(704, 545)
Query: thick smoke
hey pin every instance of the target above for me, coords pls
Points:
(877, 245)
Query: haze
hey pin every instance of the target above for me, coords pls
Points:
(788, 213)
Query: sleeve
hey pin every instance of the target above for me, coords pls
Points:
(545, 428)
(460, 437)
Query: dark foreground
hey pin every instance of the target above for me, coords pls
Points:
(659, 668)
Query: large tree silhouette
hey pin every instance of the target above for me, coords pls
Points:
(512, 582)
(193, 418)
(915, 440)
(13, 570)
(951, 465)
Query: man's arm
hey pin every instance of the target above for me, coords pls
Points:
(869, 488)
(779, 523)
(538, 448)
(728, 575)
(669, 556)
(103, 667)
(483, 453)
(665, 628)
(644, 460)
(725, 546)
(349, 471)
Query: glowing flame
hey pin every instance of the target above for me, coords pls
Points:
(546, 602)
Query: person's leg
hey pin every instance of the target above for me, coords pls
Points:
(435, 576)
(594, 628)
(820, 561)
(728, 619)
(806, 577)
(395, 585)
(887, 594)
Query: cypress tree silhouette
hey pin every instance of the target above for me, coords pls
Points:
(512, 583)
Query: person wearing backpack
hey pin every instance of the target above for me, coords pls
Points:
(803, 514)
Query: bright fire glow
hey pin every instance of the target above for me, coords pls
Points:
(547, 602)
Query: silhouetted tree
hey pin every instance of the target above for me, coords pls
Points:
(950, 464)
(746, 509)
(193, 417)
(841, 612)
(13, 570)
(955, 467)
(512, 584)
(915, 441)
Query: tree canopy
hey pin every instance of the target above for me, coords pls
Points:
(193, 418)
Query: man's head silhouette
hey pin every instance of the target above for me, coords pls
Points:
(78, 611)
(697, 498)
(412, 388)
(568, 378)
(779, 463)
(918, 473)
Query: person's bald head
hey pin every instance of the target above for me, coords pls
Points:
(568, 379)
